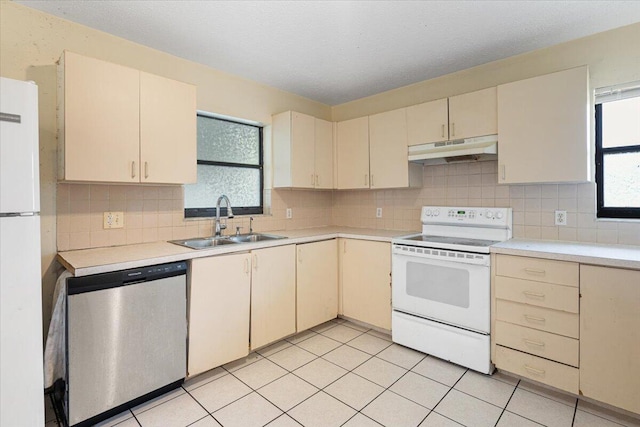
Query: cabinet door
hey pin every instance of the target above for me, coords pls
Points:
(220, 289)
(168, 138)
(273, 294)
(388, 155)
(365, 281)
(610, 336)
(352, 147)
(428, 122)
(473, 114)
(324, 154)
(302, 150)
(543, 129)
(101, 121)
(317, 283)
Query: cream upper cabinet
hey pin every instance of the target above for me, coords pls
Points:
(273, 294)
(365, 282)
(302, 151)
(168, 137)
(543, 128)
(610, 336)
(388, 162)
(99, 120)
(219, 295)
(117, 124)
(428, 122)
(324, 154)
(473, 114)
(352, 152)
(463, 116)
(317, 283)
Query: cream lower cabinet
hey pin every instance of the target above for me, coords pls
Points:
(219, 297)
(118, 124)
(317, 283)
(543, 123)
(365, 281)
(610, 336)
(273, 294)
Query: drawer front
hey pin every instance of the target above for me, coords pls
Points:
(545, 371)
(539, 343)
(557, 297)
(544, 319)
(540, 270)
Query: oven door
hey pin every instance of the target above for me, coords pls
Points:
(446, 286)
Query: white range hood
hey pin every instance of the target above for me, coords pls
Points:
(461, 150)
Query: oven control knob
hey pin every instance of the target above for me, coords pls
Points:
(436, 212)
(428, 212)
(488, 214)
(499, 215)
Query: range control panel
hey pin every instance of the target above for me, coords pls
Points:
(466, 215)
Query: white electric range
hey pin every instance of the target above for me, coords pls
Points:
(442, 283)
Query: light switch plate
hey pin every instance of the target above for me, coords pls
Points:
(113, 220)
(289, 213)
(378, 212)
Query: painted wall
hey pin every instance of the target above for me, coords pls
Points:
(30, 44)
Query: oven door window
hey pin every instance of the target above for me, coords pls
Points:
(437, 283)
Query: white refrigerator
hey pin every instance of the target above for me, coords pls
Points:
(21, 367)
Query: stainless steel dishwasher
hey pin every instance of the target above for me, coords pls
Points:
(126, 339)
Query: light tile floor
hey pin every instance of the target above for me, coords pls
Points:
(341, 374)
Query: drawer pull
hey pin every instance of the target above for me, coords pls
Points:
(534, 318)
(535, 271)
(536, 343)
(533, 294)
(534, 370)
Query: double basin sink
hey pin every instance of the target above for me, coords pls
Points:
(212, 242)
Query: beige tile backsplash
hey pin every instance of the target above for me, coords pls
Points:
(153, 213)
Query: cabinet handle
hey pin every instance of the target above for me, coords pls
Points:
(313, 180)
(535, 271)
(146, 169)
(534, 318)
(133, 169)
(443, 130)
(453, 129)
(534, 370)
(344, 247)
(366, 180)
(533, 294)
(317, 180)
(300, 255)
(503, 172)
(255, 261)
(536, 343)
(246, 265)
(372, 180)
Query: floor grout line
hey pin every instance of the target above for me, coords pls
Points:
(507, 404)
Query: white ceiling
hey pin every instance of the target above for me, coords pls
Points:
(338, 51)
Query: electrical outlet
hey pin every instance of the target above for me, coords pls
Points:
(289, 213)
(113, 220)
(378, 212)
(561, 217)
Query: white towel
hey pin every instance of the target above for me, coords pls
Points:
(54, 352)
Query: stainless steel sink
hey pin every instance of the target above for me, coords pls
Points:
(204, 243)
(212, 242)
(254, 237)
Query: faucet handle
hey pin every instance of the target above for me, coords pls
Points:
(238, 230)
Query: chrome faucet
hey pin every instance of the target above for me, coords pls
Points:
(220, 227)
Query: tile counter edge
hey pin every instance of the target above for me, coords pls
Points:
(620, 256)
(84, 262)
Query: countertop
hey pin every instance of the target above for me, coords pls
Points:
(585, 253)
(84, 262)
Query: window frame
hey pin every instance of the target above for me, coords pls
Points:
(603, 211)
(210, 212)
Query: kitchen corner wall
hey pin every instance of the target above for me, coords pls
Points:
(153, 213)
(476, 185)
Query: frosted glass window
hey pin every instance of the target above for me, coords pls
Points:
(618, 157)
(229, 163)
